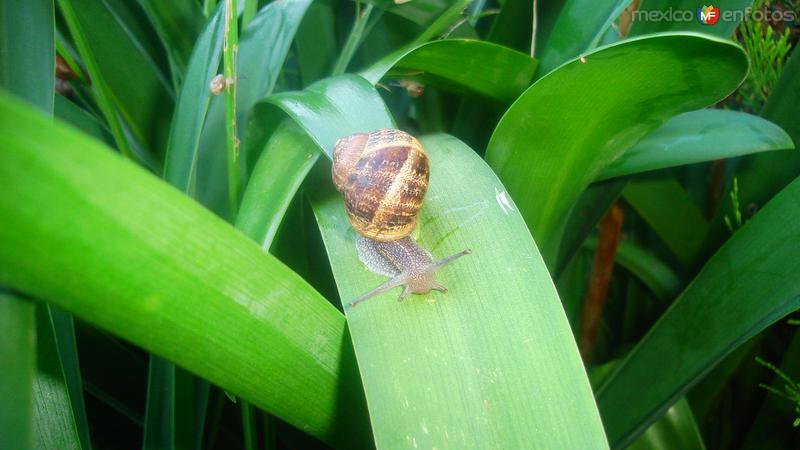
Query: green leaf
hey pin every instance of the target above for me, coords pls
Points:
(283, 165)
(460, 66)
(27, 61)
(437, 335)
(614, 97)
(54, 422)
(190, 110)
(81, 119)
(676, 429)
(666, 206)
(159, 419)
(762, 176)
(454, 339)
(747, 285)
(590, 207)
(654, 16)
(421, 12)
(121, 45)
(651, 271)
(699, 136)
(262, 50)
(326, 109)
(77, 218)
(178, 24)
(18, 358)
(579, 27)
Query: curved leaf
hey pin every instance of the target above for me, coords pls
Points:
(651, 271)
(699, 136)
(676, 429)
(326, 109)
(669, 210)
(190, 110)
(77, 217)
(283, 165)
(460, 65)
(433, 352)
(747, 285)
(547, 156)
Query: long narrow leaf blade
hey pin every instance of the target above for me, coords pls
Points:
(546, 159)
(699, 136)
(747, 285)
(497, 339)
(460, 65)
(190, 111)
(76, 218)
(18, 357)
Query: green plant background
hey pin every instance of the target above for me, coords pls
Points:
(175, 264)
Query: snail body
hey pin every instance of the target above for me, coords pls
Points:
(383, 176)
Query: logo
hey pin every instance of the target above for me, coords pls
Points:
(708, 15)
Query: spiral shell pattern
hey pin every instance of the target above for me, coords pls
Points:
(383, 176)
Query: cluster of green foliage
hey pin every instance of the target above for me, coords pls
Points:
(175, 263)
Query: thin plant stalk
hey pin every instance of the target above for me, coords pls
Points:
(247, 425)
(354, 39)
(230, 49)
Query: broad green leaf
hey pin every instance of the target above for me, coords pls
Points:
(666, 206)
(262, 50)
(283, 165)
(190, 110)
(54, 422)
(436, 334)
(335, 103)
(654, 16)
(27, 59)
(453, 338)
(699, 136)
(579, 27)
(546, 155)
(77, 218)
(460, 66)
(178, 24)
(677, 429)
(747, 285)
(18, 358)
(651, 271)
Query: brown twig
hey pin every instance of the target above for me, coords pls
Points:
(600, 278)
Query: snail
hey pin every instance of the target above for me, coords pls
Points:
(383, 176)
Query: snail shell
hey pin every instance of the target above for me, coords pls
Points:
(383, 176)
